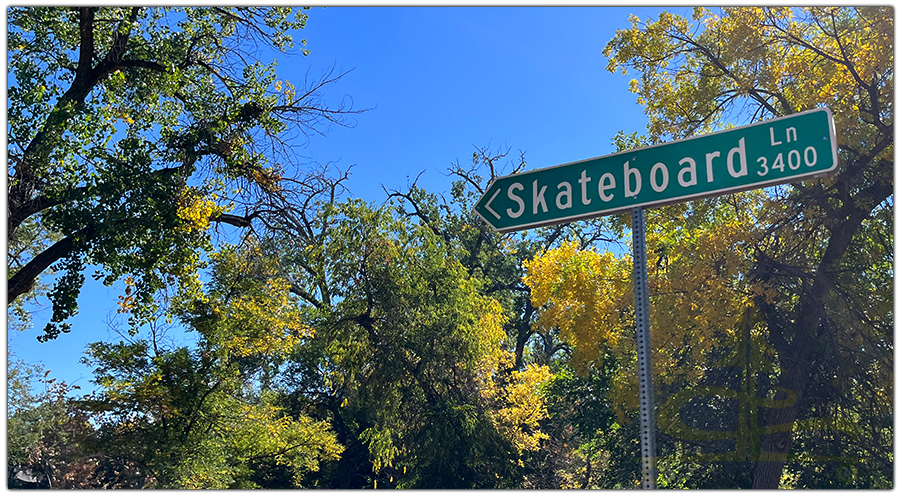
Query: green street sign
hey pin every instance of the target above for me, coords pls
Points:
(738, 159)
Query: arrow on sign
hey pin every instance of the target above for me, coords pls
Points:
(487, 206)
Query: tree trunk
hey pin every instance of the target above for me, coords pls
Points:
(523, 331)
(777, 440)
(794, 342)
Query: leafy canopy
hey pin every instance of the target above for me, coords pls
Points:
(132, 129)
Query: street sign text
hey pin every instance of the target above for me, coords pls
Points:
(762, 154)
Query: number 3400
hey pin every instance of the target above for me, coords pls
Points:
(794, 160)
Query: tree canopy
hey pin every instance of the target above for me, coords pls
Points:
(132, 129)
(337, 343)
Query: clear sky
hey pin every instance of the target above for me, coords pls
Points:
(440, 81)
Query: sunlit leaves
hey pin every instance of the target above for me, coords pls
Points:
(130, 128)
(695, 272)
(195, 211)
(247, 433)
(188, 420)
(701, 74)
(520, 406)
(410, 352)
(582, 294)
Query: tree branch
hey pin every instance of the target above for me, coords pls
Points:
(24, 279)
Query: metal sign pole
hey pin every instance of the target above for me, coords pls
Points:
(645, 377)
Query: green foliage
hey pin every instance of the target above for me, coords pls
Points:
(27, 243)
(46, 437)
(407, 351)
(130, 129)
(187, 420)
(588, 447)
(207, 417)
(498, 261)
(346, 345)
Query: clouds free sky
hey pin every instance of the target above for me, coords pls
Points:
(440, 81)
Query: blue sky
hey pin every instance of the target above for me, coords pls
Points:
(444, 80)
(440, 81)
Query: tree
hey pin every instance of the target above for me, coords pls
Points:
(209, 417)
(495, 258)
(46, 436)
(499, 261)
(814, 264)
(408, 359)
(589, 445)
(132, 129)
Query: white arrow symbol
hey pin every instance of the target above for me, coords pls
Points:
(487, 205)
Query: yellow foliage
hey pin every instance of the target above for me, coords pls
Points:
(521, 407)
(260, 429)
(696, 298)
(267, 323)
(515, 404)
(268, 179)
(194, 211)
(488, 331)
(127, 301)
(581, 294)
